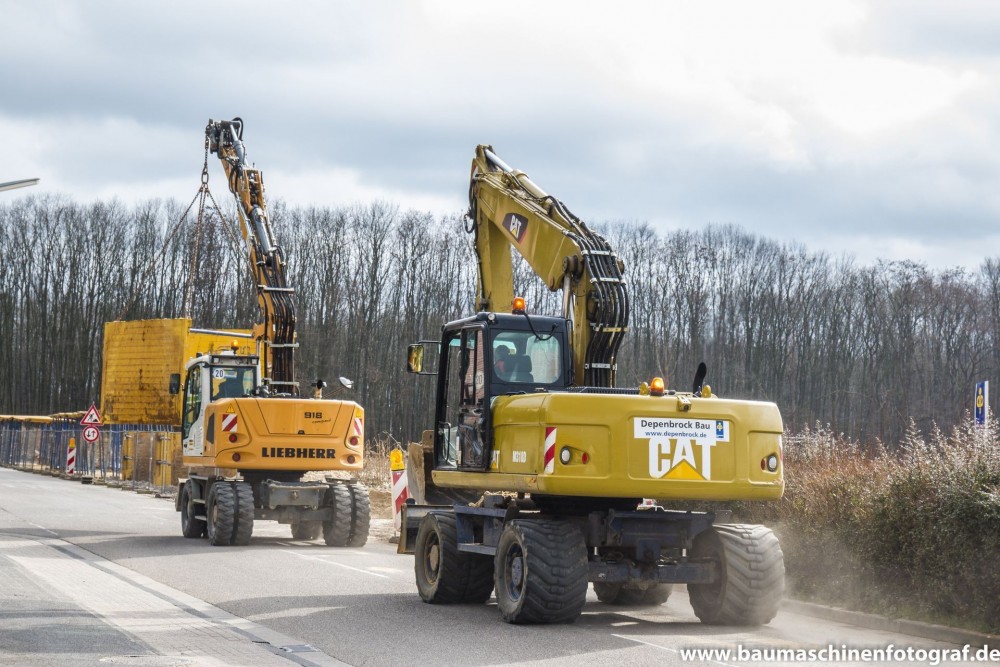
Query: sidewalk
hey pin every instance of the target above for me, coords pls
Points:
(62, 605)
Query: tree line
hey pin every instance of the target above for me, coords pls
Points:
(863, 348)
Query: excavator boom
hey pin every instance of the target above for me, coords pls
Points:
(267, 260)
(509, 211)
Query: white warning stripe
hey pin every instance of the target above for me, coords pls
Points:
(359, 427)
(550, 449)
(229, 422)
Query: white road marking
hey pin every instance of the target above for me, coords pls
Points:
(332, 562)
(665, 648)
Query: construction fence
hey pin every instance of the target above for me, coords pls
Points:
(145, 458)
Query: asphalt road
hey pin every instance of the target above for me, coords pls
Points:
(93, 576)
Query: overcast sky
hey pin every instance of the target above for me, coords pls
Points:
(869, 128)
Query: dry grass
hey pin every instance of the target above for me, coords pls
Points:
(914, 532)
(376, 473)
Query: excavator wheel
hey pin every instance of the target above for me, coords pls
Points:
(622, 594)
(306, 530)
(444, 574)
(243, 529)
(337, 531)
(751, 575)
(480, 584)
(221, 514)
(541, 572)
(191, 525)
(360, 515)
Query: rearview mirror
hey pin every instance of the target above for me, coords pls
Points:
(415, 358)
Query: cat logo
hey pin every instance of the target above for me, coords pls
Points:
(516, 224)
(681, 448)
(675, 458)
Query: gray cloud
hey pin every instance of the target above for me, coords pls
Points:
(873, 132)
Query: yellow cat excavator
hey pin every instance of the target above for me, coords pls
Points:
(242, 411)
(543, 461)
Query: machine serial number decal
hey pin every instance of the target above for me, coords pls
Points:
(681, 448)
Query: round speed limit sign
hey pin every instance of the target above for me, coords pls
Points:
(90, 433)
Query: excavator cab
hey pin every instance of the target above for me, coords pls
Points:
(210, 378)
(483, 357)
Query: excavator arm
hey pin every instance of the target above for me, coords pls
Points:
(267, 260)
(507, 210)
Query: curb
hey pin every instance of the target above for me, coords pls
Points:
(941, 633)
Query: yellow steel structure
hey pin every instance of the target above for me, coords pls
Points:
(143, 357)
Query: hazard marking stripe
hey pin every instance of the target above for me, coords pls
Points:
(229, 422)
(550, 449)
(359, 427)
(399, 491)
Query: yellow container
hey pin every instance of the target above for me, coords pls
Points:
(143, 358)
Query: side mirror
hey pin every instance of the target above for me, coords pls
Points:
(345, 383)
(175, 383)
(415, 358)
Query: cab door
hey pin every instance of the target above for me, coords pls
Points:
(193, 419)
(464, 436)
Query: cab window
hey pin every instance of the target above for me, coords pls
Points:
(521, 357)
(228, 382)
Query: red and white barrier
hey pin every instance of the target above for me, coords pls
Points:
(71, 457)
(400, 492)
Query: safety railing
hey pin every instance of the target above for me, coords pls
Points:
(141, 457)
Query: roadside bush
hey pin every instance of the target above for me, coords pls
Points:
(913, 534)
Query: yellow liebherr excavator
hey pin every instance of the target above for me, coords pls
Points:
(243, 412)
(528, 419)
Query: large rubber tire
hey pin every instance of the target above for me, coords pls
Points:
(622, 594)
(306, 530)
(360, 515)
(337, 531)
(480, 582)
(444, 574)
(243, 530)
(191, 525)
(220, 512)
(541, 572)
(751, 575)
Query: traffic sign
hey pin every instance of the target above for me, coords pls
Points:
(91, 434)
(92, 418)
(982, 406)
